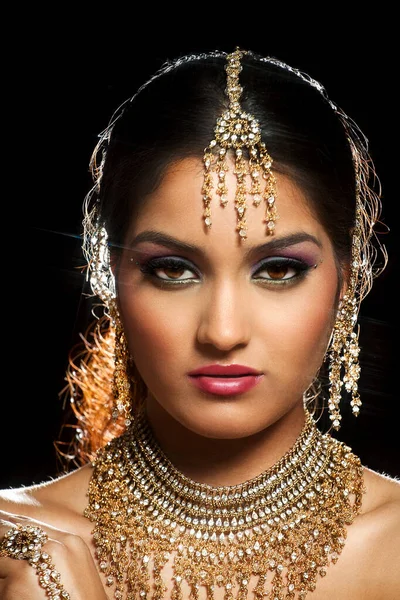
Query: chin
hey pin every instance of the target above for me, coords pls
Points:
(223, 425)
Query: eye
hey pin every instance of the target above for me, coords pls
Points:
(172, 267)
(170, 271)
(281, 270)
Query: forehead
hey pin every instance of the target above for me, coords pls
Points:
(176, 208)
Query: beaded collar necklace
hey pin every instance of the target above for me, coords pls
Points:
(160, 535)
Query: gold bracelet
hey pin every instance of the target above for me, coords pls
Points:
(25, 542)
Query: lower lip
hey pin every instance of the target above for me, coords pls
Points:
(226, 386)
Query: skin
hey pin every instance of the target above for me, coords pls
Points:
(227, 315)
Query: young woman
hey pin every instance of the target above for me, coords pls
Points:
(203, 472)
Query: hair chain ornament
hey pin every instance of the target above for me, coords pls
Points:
(25, 542)
(97, 253)
(239, 131)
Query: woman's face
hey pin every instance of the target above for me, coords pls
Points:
(271, 310)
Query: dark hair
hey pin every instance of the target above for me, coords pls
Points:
(171, 117)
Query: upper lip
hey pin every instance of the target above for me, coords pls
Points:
(225, 370)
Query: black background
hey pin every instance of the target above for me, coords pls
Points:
(63, 78)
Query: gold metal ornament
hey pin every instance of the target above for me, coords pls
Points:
(25, 542)
(240, 132)
(122, 382)
(344, 368)
(160, 535)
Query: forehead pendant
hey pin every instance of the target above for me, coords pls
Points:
(237, 135)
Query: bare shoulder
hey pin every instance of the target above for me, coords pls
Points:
(59, 501)
(367, 568)
(378, 530)
(381, 508)
(380, 513)
(382, 493)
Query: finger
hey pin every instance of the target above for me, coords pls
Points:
(11, 516)
(68, 553)
(5, 525)
(25, 544)
(13, 519)
(19, 581)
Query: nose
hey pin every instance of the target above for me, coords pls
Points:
(225, 318)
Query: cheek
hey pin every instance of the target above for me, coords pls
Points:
(156, 329)
(307, 329)
(301, 327)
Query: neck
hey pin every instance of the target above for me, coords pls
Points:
(224, 462)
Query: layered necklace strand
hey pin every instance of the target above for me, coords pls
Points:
(272, 536)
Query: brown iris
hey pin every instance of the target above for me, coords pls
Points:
(277, 271)
(173, 273)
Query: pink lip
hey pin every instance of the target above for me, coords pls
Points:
(225, 380)
(232, 370)
(226, 386)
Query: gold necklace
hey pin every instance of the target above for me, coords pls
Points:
(273, 535)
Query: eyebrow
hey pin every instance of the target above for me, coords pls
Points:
(164, 239)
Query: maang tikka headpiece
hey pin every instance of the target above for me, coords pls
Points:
(240, 132)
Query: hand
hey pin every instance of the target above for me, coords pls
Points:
(70, 556)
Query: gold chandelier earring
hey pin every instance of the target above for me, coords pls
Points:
(344, 368)
(123, 382)
(128, 388)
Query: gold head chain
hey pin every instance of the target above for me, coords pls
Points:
(240, 132)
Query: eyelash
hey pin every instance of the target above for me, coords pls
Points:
(148, 269)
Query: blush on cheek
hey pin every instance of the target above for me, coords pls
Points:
(312, 341)
(305, 333)
(151, 331)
